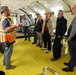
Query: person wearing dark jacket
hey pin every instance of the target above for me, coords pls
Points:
(71, 43)
(38, 30)
(35, 28)
(61, 27)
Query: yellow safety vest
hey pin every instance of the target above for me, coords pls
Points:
(6, 37)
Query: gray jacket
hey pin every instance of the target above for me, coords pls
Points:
(73, 31)
(49, 25)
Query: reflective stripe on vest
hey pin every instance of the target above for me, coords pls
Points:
(10, 37)
(4, 37)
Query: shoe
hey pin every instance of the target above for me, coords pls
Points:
(66, 63)
(67, 69)
(34, 43)
(47, 51)
(10, 67)
(2, 52)
(38, 45)
(43, 48)
(54, 59)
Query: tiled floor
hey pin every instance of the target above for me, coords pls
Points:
(30, 60)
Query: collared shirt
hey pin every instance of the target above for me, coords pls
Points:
(26, 22)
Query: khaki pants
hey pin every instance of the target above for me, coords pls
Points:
(40, 40)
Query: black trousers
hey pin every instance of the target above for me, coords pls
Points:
(47, 40)
(26, 32)
(57, 46)
(72, 50)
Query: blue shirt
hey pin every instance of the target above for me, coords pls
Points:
(26, 22)
(5, 24)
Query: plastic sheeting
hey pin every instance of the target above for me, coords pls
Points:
(15, 4)
(42, 7)
(53, 5)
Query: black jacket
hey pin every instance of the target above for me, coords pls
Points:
(61, 27)
(35, 28)
(39, 25)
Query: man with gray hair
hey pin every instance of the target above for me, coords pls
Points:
(7, 36)
(26, 24)
(61, 27)
(71, 43)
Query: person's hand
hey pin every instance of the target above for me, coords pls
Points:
(58, 36)
(18, 25)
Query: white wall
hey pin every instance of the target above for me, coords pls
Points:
(68, 16)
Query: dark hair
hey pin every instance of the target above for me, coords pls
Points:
(3, 8)
(2, 73)
(61, 11)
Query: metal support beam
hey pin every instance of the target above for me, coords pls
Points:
(67, 3)
(46, 9)
(24, 11)
(33, 10)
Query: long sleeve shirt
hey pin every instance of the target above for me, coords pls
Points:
(73, 29)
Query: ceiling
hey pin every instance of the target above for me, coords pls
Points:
(14, 5)
(37, 6)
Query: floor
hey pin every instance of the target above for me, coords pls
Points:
(30, 60)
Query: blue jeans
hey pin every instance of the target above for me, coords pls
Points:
(7, 54)
(72, 50)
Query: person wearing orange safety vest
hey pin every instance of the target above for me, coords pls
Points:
(7, 36)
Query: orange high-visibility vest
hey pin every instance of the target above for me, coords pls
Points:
(6, 37)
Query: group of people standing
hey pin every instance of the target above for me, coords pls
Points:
(42, 34)
(42, 31)
(61, 28)
(45, 29)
